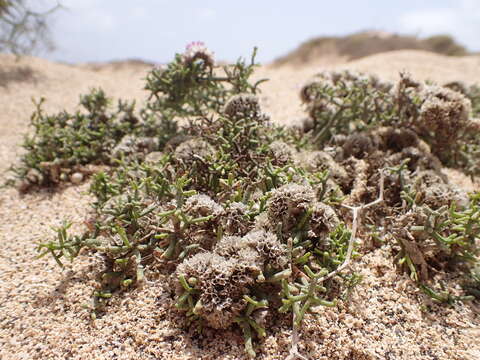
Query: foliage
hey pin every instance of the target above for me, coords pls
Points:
(472, 283)
(64, 144)
(191, 85)
(444, 44)
(346, 103)
(248, 219)
(473, 94)
(67, 147)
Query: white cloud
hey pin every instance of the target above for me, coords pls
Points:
(461, 19)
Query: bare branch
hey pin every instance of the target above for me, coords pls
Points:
(356, 211)
(22, 30)
(294, 354)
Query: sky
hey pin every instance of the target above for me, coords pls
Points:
(154, 30)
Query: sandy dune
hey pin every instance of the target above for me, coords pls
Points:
(42, 313)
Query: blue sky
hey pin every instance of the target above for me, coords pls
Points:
(102, 30)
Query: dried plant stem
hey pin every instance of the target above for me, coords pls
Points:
(356, 210)
(294, 354)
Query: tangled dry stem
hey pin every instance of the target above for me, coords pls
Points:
(356, 210)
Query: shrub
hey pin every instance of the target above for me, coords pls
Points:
(249, 220)
(346, 103)
(63, 145)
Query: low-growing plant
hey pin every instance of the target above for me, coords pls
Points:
(64, 145)
(472, 284)
(249, 221)
(342, 103)
(472, 92)
(194, 85)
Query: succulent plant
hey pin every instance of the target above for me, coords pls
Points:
(250, 217)
(350, 103)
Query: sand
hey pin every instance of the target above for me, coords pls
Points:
(42, 308)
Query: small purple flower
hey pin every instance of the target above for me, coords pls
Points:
(194, 44)
(197, 50)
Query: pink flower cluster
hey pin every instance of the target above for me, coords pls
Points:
(195, 44)
(197, 50)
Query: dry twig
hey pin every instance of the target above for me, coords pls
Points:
(356, 210)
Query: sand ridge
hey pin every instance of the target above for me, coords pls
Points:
(42, 311)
